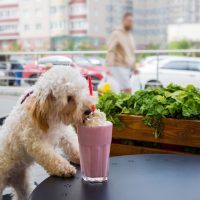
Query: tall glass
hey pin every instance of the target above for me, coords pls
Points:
(94, 143)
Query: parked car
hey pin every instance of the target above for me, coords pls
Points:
(31, 73)
(35, 70)
(96, 61)
(84, 62)
(178, 70)
(3, 68)
(7, 71)
(152, 60)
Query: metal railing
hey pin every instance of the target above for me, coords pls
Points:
(37, 55)
(97, 52)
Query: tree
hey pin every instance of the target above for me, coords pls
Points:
(69, 45)
(152, 46)
(15, 46)
(182, 44)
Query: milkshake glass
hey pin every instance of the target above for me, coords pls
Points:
(94, 144)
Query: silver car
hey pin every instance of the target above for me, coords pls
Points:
(178, 70)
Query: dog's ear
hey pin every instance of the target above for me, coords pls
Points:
(39, 110)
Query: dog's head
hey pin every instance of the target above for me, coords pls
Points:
(60, 95)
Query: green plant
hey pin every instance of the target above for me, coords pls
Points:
(182, 44)
(154, 104)
(156, 123)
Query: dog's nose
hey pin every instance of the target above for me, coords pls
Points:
(87, 112)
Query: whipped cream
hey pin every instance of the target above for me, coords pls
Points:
(97, 118)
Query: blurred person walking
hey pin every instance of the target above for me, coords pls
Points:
(121, 57)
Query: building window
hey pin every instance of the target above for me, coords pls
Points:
(7, 14)
(78, 9)
(96, 14)
(78, 25)
(57, 9)
(37, 12)
(62, 25)
(14, 13)
(26, 27)
(38, 26)
(58, 25)
(8, 28)
(1, 14)
(53, 10)
(26, 13)
(96, 28)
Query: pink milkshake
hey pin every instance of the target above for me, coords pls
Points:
(94, 143)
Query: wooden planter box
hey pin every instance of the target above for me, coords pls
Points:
(175, 132)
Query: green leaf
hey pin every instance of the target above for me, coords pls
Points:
(157, 103)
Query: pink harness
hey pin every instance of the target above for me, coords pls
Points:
(26, 96)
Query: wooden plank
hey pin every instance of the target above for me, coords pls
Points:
(120, 149)
(176, 132)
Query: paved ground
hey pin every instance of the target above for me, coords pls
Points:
(6, 104)
(37, 174)
(12, 91)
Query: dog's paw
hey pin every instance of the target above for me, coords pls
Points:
(69, 171)
(75, 158)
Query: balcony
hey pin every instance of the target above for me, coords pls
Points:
(9, 36)
(74, 17)
(9, 20)
(77, 1)
(8, 29)
(8, 6)
(78, 32)
(78, 11)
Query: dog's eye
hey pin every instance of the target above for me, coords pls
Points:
(69, 98)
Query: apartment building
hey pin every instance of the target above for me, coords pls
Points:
(78, 17)
(58, 17)
(47, 24)
(9, 23)
(34, 24)
(184, 21)
(185, 11)
(94, 18)
(107, 16)
(152, 19)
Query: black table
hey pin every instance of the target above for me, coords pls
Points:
(139, 177)
(2, 120)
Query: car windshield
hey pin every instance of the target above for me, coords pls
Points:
(55, 60)
(81, 61)
(94, 61)
(2, 67)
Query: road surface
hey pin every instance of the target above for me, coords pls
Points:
(6, 104)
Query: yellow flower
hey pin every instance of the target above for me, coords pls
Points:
(106, 88)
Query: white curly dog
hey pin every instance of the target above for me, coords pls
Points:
(39, 122)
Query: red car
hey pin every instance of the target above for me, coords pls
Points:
(33, 71)
(85, 63)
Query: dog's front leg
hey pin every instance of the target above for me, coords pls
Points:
(2, 186)
(22, 187)
(69, 143)
(52, 162)
(71, 151)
